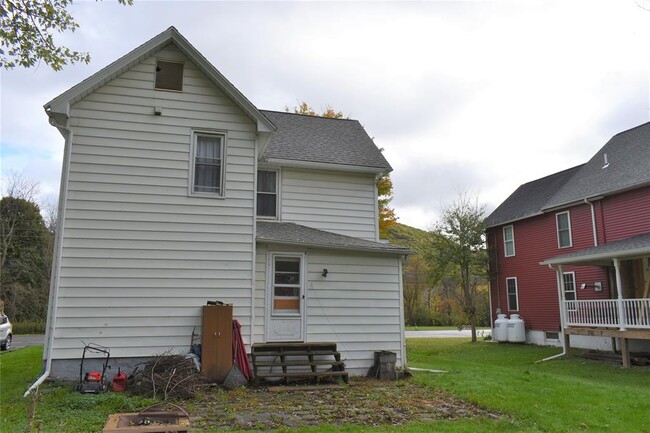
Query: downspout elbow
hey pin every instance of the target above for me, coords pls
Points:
(564, 352)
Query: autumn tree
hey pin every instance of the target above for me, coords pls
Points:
(459, 255)
(27, 29)
(305, 109)
(387, 217)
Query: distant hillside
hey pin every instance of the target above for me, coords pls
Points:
(407, 236)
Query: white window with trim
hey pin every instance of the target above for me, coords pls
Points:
(267, 194)
(513, 294)
(207, 164)
(569, 279)
(563, 220)
(509, 241)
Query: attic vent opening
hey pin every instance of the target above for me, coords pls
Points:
(169, 76)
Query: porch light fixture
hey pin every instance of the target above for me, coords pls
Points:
(324, 274)
(597, 286)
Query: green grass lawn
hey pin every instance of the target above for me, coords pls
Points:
(557, 396)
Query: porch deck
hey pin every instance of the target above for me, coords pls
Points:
(614, 318)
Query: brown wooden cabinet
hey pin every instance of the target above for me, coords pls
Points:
(216, 342)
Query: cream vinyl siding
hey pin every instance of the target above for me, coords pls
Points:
(357, 305)
(338, 202)
(140, 256)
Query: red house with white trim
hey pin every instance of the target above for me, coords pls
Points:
(570, 251)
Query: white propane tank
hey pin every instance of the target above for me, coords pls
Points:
(500, 332)
(516, 329)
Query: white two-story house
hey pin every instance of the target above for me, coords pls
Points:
(176, 190)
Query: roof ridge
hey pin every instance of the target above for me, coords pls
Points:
(555, 174)
(310, 116)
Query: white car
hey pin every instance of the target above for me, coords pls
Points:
(5, 333)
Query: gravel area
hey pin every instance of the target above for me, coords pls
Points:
(364, 402)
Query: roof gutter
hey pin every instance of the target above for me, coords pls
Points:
(405, 252)
(58, 247)
(326, 166)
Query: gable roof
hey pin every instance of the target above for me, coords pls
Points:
(529, 199)
(322, 140)
(628, 154)
(58, 108)
(296, 234)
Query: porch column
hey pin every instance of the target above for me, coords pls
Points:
(619, 292)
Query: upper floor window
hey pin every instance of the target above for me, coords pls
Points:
(267, 193)
(169, 76)
(513, 294)
(563, 229)
(509, 241)
(207, 163)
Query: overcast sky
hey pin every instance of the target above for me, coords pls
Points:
(476, 96)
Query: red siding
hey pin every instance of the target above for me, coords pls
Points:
(535, 241)
(626, 214)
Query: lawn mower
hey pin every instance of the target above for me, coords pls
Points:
(93, 382)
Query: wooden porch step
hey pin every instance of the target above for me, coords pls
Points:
(298, 363)
(306, 374)
(297, 360)
(295, 353)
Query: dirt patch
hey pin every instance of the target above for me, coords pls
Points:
(365, 402)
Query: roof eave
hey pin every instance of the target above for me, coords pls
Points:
(510, 221)
(327, 166)
(596, 197)
(400, 252)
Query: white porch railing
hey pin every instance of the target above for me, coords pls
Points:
(605, 313)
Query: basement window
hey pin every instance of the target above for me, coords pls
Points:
(552, 335)
(169, 76)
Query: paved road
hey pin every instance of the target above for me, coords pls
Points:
(20, 341)
(465, 333)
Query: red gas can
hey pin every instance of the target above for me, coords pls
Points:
(119, 381)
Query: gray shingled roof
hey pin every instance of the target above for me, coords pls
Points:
(628, 154)
(635, 246)
(529, 199)
(322, 140)
(295, 234)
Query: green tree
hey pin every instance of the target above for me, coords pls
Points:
(27, 29)
(459, 255)
(25, 256)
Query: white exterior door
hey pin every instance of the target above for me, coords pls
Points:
(285, 316)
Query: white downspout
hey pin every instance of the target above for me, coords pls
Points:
(56, 261)
(401, 308)
(593, 221)
(560, 289)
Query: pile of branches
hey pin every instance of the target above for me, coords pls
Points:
(167, 377)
